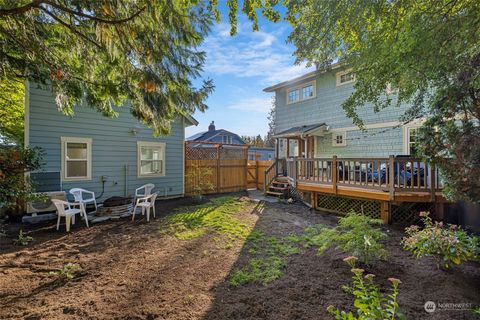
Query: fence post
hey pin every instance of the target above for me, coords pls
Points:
(245, 154)
(334, 174)
(218, 168)
(256, 173)
(391, 176)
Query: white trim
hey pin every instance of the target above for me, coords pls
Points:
(406, 133)
(300, 88)
(371, 126)
(338, 76)
(64, 141)
(141, 144)
(334, 138)
(26, 119)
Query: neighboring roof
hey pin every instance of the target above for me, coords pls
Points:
(300, 131)
(207, 135)
(192, 120)
(301, 78)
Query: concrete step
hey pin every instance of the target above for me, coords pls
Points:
(273, 193)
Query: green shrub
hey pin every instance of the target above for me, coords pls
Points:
(446, 244)
(66, 273)
(22, 239)
(354, 234)
(369, 302)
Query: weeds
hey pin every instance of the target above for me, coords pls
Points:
(22, 239)
(66, 273)
(269, 261)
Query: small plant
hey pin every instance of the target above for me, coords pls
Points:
(354, 234)
(369, 301)
(447, 244)
(200, 178)
(269, 261)
(22, 239)
(66, 273)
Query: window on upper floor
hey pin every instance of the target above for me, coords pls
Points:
(339, 139)
(151, 159)
(344, 77)
(301, 92)
(227, 139)
(76, 158)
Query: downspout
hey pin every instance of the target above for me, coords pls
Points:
(126, 180)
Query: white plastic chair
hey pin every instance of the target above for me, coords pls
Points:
(146, 203)
(147, 190)
(69, 213)
(78, 195)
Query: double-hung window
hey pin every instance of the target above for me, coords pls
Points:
(307, 92)
(293, 96)
(76, 158)
(301, 92)
(344, 77)
(151, 159)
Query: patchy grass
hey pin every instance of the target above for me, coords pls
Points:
(217, 215)
(269, 259)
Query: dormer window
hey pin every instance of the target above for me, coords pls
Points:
(301, 92)
(345, 77)
(227, 139)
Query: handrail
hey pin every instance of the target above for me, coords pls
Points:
(268, 180)
(392, 174)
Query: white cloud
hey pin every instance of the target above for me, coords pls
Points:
(255, 104)
(251, 54)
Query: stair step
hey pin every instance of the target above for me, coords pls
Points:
(278, 188)
(274, 193)
(280, 182)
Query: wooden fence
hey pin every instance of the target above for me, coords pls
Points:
(225, 167)
(256, 173)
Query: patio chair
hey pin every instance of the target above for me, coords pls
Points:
(78, 195)
(147, 190)
(68, 213)
(146, 203)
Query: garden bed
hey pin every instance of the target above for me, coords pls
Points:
(181, 266)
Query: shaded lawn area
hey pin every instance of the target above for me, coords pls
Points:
(229, 258)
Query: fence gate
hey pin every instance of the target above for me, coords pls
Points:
(256, 173)
(224, 166)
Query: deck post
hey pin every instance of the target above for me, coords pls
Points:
(385, 213)
(313, 199)
(432, 183)
(334, 174)
(391, 176)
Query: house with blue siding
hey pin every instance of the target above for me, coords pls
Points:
(261, 153)
(110, 156)
(217, 135)
(310, 121)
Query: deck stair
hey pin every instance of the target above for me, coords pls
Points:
(278, 188)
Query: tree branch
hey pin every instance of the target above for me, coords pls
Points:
(20, 10)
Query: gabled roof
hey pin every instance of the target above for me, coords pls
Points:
(303, 77)
(301, 130)
(207, 135)
(191, 120)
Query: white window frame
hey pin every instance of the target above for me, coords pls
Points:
(64, 141)
(335, 134)
(406, 137)
(141, 144)
(342, 73)
(227, 139)
(300, 88)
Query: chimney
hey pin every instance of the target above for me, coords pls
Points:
(211, 127)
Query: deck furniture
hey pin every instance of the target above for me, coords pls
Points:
(144, 191)
(78, 194)
(146, 203)
(65, 209)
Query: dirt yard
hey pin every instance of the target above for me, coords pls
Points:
(152, 270)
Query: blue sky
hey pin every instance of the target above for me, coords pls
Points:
(241, 67)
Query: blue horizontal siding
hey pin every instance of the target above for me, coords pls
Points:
(113, 146)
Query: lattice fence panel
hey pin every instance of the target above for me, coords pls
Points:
(200, 153)
(232, 153)
(408, 213)
(345, 205)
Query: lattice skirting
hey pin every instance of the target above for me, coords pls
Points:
(345, 205)
(408, 212)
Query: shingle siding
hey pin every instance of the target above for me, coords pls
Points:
(113, 146)
(326, 108)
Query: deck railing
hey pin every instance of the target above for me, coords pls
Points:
(391, 174)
